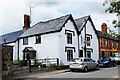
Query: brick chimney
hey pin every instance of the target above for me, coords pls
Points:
(26, 22)
(104, 27)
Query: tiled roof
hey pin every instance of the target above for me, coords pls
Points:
(10, 37)
(101, 34)
(80, 22)
(47, 26)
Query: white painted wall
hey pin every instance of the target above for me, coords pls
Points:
(63, 42)
(48, 48)
(15, 51)
(94, 40)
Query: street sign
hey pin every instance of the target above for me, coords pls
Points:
(87, 42)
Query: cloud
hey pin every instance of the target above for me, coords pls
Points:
(44, 13)
(13, 11)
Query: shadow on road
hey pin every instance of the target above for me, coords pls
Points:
(81, 71)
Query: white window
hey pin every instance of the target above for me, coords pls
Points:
(112, 43)
(106, 43)
(117, 44)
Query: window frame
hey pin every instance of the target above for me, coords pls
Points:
(38, 39)
(106, 42)
(113, 43)
(69, 38)
(25, 41)
(117, 44)
(88, 39)
(69, 55)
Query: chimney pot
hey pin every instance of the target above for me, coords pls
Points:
(104, 27)
(26, 22)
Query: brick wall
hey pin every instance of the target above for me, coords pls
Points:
(7, 60)
(109, 48)
(0, 62)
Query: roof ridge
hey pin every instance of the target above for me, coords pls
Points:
(83, 17)
(56, 18)
(11, 32)
(50, 20)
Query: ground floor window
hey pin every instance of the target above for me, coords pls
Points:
(103, 54)
(111, 54)
(107, 53)
(89, 54)
(69, 55)
(81, 53)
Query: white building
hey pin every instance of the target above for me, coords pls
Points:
(86, 26)
(61, 38)
(56, 38)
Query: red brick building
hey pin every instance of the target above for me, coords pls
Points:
(107, 44)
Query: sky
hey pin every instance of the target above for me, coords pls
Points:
(12, 12)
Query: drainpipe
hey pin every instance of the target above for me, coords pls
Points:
(78, 45)
(18, 51)
(85, 39)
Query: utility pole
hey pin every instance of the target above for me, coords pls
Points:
(30, 12)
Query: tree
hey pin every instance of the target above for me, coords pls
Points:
(114, 7)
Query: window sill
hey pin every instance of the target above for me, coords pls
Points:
(37, 43)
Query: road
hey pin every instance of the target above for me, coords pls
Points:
(102, 73)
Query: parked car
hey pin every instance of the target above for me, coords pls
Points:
(107, 61)
(117, 57)
(83, 64)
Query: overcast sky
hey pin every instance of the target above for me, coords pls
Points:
(12, 12)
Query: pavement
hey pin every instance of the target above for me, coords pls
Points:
(66, 73)
(40, 74)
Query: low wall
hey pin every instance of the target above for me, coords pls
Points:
(7, 60)
(0, 62)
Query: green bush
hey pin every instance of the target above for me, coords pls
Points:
(21, 63)
(55, 67)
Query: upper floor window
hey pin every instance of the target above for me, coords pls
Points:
(100, 41)
(25, 41)
(112, 43)
(81, 40)
(106, 43)
(38, 39)
(117, 44)
(88, 39)
(69, 38)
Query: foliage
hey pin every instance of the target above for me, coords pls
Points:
(114, 7)
(37, 63)
(112, 34)
(55, 67)
(21, 62)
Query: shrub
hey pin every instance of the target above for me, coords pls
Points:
(21, 63)
(55, 67)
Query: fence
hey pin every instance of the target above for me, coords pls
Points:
(49, 61)
(45, 64)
